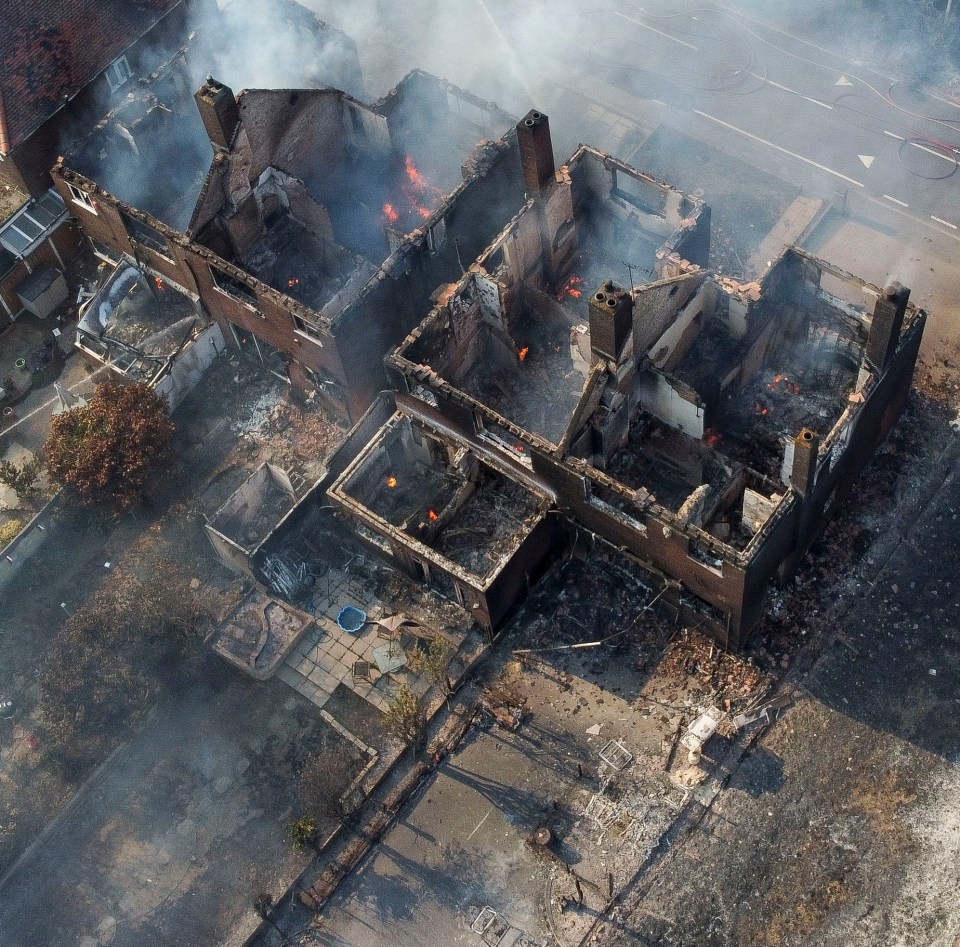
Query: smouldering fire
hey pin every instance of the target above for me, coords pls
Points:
(760, 409)
(432, 515)
(788, 385)
(160, 283)
(392, 481)
(523, 352)
(293, 282)
(390, 214)
(572, 288)
(711, 438)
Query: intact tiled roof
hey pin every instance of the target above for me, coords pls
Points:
(50, 49)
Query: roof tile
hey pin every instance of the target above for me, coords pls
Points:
(50, 49)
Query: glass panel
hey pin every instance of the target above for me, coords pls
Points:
(13, 240)
(30, 228)
(53, 203)
(41, 215)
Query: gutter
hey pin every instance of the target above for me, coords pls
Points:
(4, 135)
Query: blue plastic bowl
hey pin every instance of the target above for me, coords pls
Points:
(351, 618)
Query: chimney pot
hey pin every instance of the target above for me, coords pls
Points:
(611, 321)
(536, 151)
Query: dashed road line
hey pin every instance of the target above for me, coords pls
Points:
(929, 151)
(653, 29)
(946, 223)
(896, 200)
(770, 144)
(784, 88)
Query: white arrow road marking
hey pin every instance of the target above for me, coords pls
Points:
(866, 159)
(843, 80)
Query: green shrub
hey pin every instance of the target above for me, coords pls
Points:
(303, 832)
(9, 531)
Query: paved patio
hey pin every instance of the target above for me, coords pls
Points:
(325, 657)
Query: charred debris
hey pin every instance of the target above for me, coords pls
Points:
(537, 359)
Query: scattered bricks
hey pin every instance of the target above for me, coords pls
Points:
(352, 852)
(327, 883)
(309, 901)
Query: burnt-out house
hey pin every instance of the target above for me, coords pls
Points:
(323, 225)
(146, 331)
(707, 428)
(64, 65)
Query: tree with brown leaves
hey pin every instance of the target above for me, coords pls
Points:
(108, 451)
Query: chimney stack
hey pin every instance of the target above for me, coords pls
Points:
(536, 152)
(806, 448)
(219, 112)
(888, 315)
(611, 321)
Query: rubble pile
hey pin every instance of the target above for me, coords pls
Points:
(704, 670)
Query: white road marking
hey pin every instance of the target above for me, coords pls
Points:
(770, 144)
(946, 223)
(652, 29)
(484, 819)
(896, 201)
(843, 80)
(866, 159)
(784, 88)
(934, 152)
(929, 151)
(940, 98)
(922, 221)
(664, 104)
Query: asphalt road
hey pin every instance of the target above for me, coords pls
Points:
(753, 87)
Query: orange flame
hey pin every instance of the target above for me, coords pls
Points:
(160, 283)
(390, 213)
(416, 178)
(433, 515)
(523, 352)
(391, 481)
(419, 190)
(573, 288)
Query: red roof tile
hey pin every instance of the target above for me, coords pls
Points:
(50, 49)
